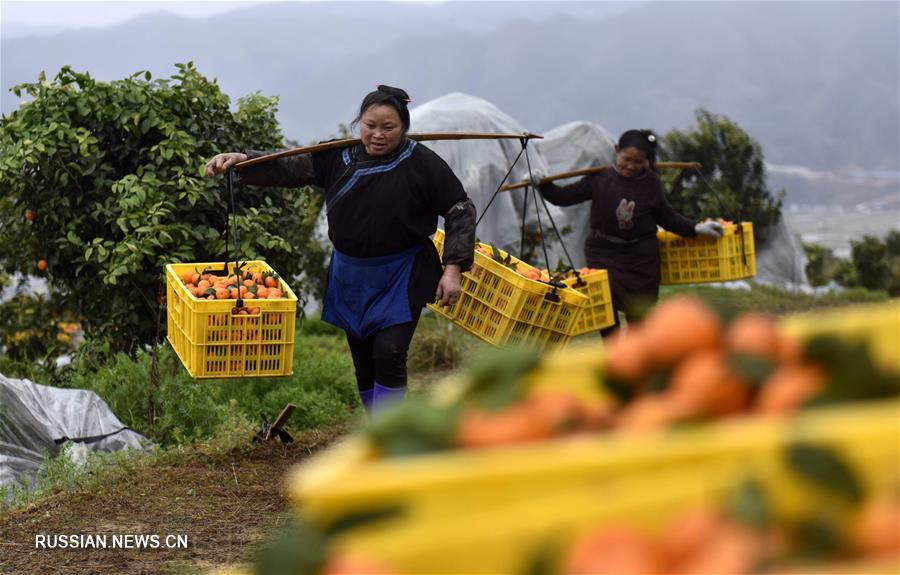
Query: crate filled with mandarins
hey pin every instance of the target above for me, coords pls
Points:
(505, 302)
(226, 322)
(594, 284)
(708, 260)
(787, 427)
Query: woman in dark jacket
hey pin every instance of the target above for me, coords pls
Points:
(628, 202)
(383, 197)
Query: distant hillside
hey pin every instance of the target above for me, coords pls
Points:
(817, 83)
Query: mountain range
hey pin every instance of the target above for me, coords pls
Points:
(816, 83)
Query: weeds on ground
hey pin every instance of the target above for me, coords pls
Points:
(185, 409)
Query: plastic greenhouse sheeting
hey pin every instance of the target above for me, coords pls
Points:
(37, 420)
(481, 164)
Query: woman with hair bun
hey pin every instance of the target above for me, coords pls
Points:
(383, 197)
(628, 202)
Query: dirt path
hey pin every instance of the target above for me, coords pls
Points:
(225, 506)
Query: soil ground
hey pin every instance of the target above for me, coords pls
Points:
(226, 505)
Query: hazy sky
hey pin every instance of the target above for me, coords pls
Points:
(80, 14)
(83, 14)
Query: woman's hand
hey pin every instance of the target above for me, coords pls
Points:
(448, 289)
(713, 229)
(220, 163)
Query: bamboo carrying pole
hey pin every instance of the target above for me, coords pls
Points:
(586, 171)
(346, 143)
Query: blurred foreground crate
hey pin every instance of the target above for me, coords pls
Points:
(877, 325)
(703, 259)
(213, 342)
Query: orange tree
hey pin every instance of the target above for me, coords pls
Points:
(732, 182)
(102, 186)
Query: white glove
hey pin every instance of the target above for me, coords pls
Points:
(710, 228)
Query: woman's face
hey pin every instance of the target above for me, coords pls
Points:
(630, 161)
(380, 129)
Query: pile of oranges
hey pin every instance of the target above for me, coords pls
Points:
(523, 269)
(680, 364)
(705, 540)
(249, 285)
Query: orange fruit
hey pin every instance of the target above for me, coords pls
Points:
(732, 550)
(257, 278)
(754, 334)
(680, 326)
(876, 529)
(42, 265)
(614, 551)
(30, 215)
(626, 356)
(648, 413)
(789, 387)
(248, 283)
(703, 384)
(530, 273)
(344, 563)
(561, 411)
(513, 424)
(203, 284)
(271, 282)
(262, 292)
(248, 295)
(274, 293)
(687, 533)
(221, 294)
(790, 349)
(187, 278)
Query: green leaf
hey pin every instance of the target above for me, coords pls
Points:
(823, 467)
(748, 504)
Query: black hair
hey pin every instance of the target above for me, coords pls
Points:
(644, 140)
(386, 96)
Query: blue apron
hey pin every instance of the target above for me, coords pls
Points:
(366, 295)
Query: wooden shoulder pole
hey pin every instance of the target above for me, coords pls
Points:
(346, 143)
(598, 169)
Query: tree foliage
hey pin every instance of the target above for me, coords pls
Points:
(874, 264)
(103, 182)
(732, 182)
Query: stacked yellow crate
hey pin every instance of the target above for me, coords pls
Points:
(505, 308)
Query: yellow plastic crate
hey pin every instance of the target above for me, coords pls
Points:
(507, 538)
(352, 478)
(504, 308)
(877, 324)
(599, 313)
(212, 342)
(704, 259)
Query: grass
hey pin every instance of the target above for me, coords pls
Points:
(774, 300)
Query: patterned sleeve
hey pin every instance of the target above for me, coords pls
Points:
(448, 199)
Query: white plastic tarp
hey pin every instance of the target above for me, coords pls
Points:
(35, 420)
(481, 164)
